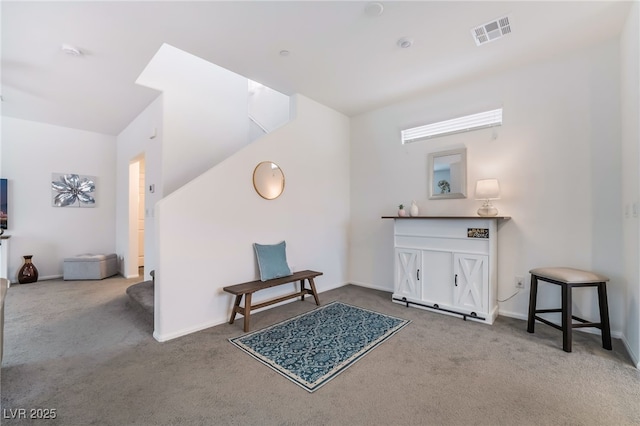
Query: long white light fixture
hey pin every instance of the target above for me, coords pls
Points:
(480, 120)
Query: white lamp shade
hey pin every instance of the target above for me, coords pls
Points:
(487, 189)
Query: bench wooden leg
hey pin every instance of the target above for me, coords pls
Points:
(313, 290)
(235, 308)
(247, 311)
(302, 288)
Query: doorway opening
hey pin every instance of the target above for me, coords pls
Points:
(135, 260)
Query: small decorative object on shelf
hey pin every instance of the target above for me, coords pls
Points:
(401, 210)
(414, 209)
(28, 273)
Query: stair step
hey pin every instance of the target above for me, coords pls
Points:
(142, 294)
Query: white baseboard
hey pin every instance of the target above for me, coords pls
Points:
(170, 336)
(372, 286)
(174, 335)
(516, 315)
(50, 277)
(44, 278)
(634, 357)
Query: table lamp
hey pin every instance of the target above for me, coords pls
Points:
(487, 190)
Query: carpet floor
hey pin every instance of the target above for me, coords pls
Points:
(312, 348)
(79, 348)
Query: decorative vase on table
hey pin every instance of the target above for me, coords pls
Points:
(401, 210)
(413, 211)
(28, 273)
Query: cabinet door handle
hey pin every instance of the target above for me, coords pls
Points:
(418, 274)
(455, 280)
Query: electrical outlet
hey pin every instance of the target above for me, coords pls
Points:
(519, 282)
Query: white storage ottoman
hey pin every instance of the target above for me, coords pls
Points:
(90, 266)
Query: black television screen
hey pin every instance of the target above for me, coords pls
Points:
(3, 204)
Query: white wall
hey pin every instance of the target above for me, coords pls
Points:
(205, 113)
(133, 142)
(269, 108)
(200, 119)
(630, 89)
(557, 156)
(31, 152)
(206, 229)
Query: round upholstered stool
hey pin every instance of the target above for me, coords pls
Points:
(567, 279)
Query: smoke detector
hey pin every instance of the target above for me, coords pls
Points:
(374, 8)
(491, 31)
(71, 50)
(405, 42)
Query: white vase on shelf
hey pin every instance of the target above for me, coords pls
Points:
(413, 211)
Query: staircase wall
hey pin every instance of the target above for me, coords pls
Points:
(206, 229)
(141, 138)
(268, 107)
(204, 113)
(198, 119)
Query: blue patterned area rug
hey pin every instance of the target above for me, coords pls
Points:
(316, 346)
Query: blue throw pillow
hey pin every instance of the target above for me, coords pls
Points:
(272, 260)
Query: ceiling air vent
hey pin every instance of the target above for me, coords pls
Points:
(491, 31)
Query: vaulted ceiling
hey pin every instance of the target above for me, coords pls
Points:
(340, 54)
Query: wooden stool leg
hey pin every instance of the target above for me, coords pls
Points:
(235, 308)
(313, 289)
(302, 290)
(247, 311)
(604, 316)
(567, 321)
(533, 294)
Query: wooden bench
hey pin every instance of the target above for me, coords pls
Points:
(247, 289)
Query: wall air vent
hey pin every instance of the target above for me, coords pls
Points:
(491, 31)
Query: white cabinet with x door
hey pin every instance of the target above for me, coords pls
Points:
(408, 273)
(471, 282)
(447, 264)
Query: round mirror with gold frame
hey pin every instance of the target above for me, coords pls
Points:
(268, 180)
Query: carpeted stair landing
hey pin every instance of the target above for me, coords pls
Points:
(141, 297)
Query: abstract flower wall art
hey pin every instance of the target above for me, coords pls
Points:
(72, 190)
